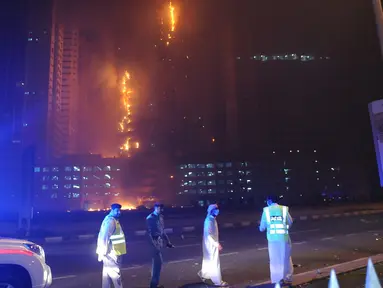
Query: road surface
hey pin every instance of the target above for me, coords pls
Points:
(244, 260)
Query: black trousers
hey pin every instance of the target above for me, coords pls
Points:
(156, 267)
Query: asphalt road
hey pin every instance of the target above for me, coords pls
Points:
(244, 260)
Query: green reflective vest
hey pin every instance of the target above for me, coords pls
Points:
(118, 240)
(277, 225)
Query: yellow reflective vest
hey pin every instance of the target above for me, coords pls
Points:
(277, 223)
(118, 240)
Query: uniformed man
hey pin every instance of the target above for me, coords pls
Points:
(157, 237)
(111, 246)
(277, 220)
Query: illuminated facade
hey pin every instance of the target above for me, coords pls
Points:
(284, 57)
(297, 177)
(77, 183)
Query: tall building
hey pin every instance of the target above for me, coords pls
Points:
(51, 92)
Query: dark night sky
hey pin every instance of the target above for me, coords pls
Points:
(320, 102)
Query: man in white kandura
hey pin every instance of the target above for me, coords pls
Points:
(111, 246)
(211, 268)
(277, 220)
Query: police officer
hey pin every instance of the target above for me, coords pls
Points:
(157, 237)
(277, 220)
(111, 246)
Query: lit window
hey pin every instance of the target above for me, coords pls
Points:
(96, 168)
(248, 173)
(242, 173)
(186, 191)
(201, 174)
(55, 186)
(67, 186)
(45, 178)
(191, 174)
(107, 168)
(75, 195)
(54, 195)
(107, 176)
(30, 39)
(230, 191)
(68, 178)
(202, 183)
(85, 178)
(244, 164)
(200, 166)
(211, 183)
(211, 191)
(45, 169)
(191, 166)
(37, 169)
(183, 166)
(87, 169)
(76, 177)
(107, 185)
(248, 181)
(202, 191)
(75, 186)
(55, 178)
(220, 173)
(76, 168)
(68, 169)
(249, 188)
(210, 174)
(44, 187)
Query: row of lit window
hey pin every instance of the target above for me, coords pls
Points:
(213, 191)
(211, 165)
(213, 182)
(75, 169)
(75, 177)
(218, 173)
(262, 57)
(77, 186)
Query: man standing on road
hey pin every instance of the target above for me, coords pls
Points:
(211, 267)
(111, 246)
(277, 220)
(157, 236)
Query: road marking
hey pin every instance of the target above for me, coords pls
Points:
(228, 254)
(299, 243)
(182, 260)
(304, 231)
(262, 248)
(327, 238)
(132, 267)
(64, 277)
(187, 245)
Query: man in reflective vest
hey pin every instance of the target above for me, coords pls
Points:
(277, 220)
(111, 246)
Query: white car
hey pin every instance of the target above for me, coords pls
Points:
(22, 265)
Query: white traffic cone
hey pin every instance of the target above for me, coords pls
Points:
(333, 283)
(372, 280)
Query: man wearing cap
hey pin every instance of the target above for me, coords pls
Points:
(111, 246)
(211, 267)
(157, 236)
(277, 221)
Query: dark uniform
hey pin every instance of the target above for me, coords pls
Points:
(157, 237)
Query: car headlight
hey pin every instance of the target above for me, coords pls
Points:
(37, 249)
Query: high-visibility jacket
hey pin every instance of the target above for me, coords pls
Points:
(277, 223)
(118, 240)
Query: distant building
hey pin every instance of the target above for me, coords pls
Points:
(77, 183)
(228, 183)
(51, 82)
(297, 177)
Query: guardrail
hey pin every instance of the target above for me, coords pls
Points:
(189, 229)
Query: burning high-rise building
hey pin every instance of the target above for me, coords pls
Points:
(126, 124)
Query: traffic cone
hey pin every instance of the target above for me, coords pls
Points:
(372, 280)
(333, 283)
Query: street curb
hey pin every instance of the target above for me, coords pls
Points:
(318, 274)
(186, 229)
